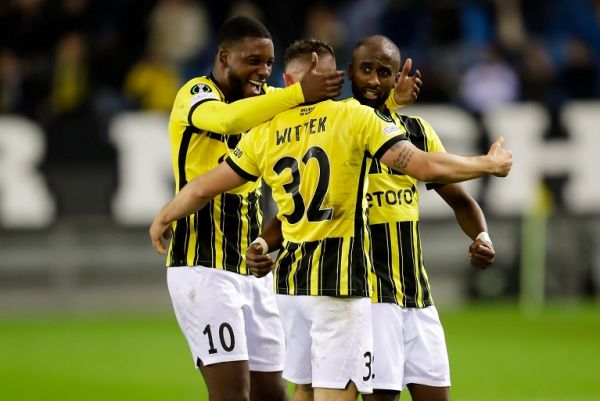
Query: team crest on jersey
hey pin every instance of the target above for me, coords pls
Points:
(201, 92)
(383, 116)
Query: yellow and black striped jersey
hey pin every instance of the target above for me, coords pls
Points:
(315, 158)
(218, 235)
(393, 201)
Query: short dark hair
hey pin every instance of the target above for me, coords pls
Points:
(305, 47)
(237, 28)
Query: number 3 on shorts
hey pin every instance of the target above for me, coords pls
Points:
(228, 344)
(368, 362)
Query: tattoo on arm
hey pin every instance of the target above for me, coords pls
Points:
(405, 152)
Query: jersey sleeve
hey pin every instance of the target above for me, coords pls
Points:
(378, 130)
(243, 158)
(202, 106)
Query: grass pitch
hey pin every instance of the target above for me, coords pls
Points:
(496, 354)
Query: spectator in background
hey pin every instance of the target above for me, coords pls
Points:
(152, 84)
(11, 80)
(70, 79)
(179, 32)
(489, 83)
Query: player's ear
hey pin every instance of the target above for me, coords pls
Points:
(287, 78)
(350, 72)
(223, 56)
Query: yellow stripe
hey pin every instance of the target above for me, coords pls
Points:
(217, 244)
(191, 248)
(344, 263)
(415, 246)
(396, 262)
(291, 285)
(314, 272)
(243, 244)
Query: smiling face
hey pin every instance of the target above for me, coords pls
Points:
(373, 72)
(248, 64)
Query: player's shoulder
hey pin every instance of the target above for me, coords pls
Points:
(200, 88)
(354, 107)
(416, 125)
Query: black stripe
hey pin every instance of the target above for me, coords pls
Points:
(285, 262)
(382, 262)
(388, 144)
(253, 216)
(375, 167)
(193, 108)
(182, 229)
(242, 173)
(231, 226)
(329, 266)
(308, 252)
(409, 284)
(358, 266)
(426, 290)
(205, 237)
(416, 132)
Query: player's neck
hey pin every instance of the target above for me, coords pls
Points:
(220, 78)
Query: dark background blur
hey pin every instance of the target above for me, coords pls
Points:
(86, 87)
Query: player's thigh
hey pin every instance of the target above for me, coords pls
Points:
(388, 347)
(421, 392)
(267, 386)
(208, 305)
(382, 395)
(426, 354)
(349, 393)
(303, 392)
(264, 330)
(227, 381)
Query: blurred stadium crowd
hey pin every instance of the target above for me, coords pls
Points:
(71, 65)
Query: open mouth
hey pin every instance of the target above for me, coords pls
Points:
(255, 86)
(370, 94)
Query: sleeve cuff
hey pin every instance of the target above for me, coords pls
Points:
(193, 108)
(239, 171)
(383, 148)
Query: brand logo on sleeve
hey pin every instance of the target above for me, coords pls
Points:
(390, 129)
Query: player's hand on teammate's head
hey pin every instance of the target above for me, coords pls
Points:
(502, 158)
(259, 265)
(407, 88)
(317, 86)
(160, 232)
(481, 254)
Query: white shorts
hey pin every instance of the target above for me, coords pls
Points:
(388, 346)
(227, 317)
(329, 341)
(425, 353)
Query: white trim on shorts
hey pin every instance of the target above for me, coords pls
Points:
(240, 312)
(329, 341)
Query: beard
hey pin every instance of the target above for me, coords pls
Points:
(374, 103)
(236, 87)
